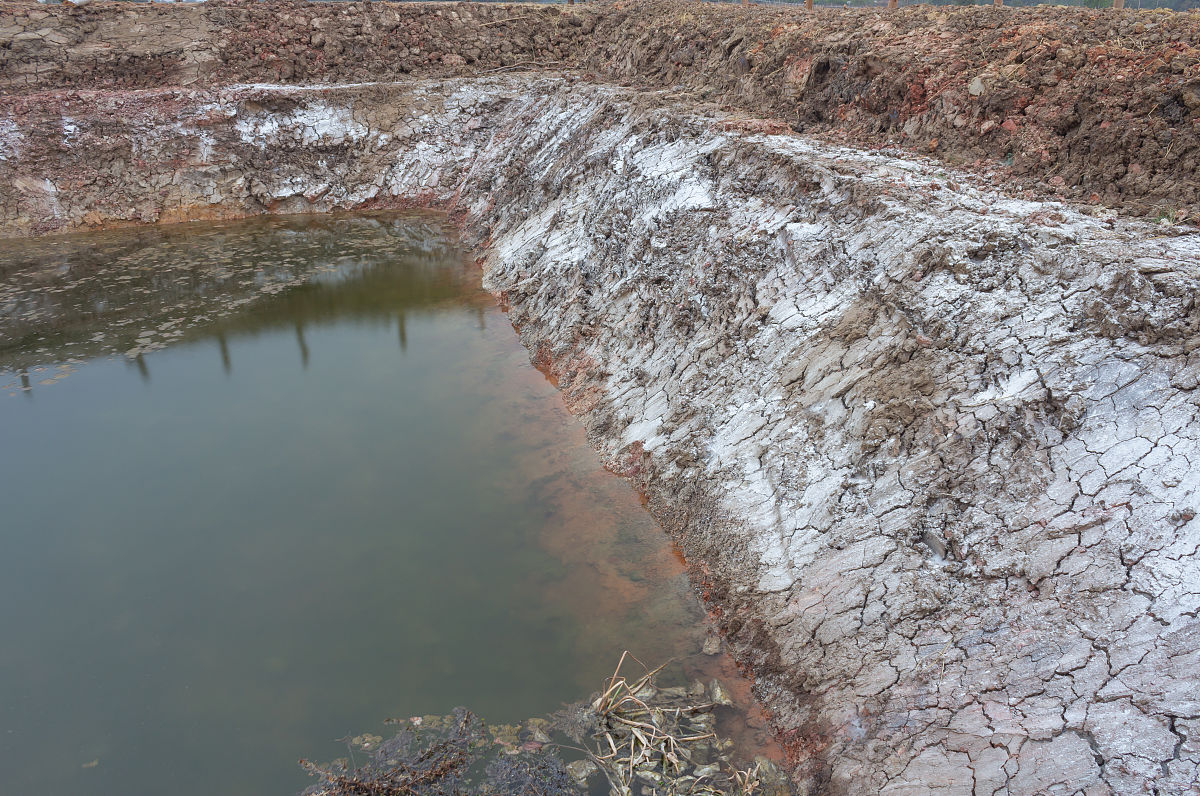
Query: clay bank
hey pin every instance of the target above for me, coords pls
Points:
(928, 439)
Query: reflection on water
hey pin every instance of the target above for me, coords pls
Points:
(301, 478)
(71, 297)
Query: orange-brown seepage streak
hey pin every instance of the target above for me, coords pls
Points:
(586, 543)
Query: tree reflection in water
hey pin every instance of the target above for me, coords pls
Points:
(69, 298)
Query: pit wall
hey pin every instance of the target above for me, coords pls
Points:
(1091, 105)
(930, 451)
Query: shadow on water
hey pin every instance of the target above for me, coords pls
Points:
(301, 478)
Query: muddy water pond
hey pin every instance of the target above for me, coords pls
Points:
(266, 484)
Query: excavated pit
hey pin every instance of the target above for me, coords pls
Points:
(929, 449)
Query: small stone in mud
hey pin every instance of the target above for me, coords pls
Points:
(771, 779)
(646, 692)
(717, 693)
(581, 770)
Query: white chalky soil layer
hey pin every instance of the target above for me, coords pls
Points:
(934, 452)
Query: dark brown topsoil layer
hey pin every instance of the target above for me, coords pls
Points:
(1098, 106)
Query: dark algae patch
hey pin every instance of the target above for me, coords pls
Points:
(269, 483)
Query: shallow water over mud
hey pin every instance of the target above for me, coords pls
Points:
(266, 484)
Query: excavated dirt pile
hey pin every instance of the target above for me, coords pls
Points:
(123, 45)
(930, 446)
(1086, 104)
(1083, 104)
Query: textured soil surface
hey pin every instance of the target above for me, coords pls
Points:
(1089, 105)
(929, 446)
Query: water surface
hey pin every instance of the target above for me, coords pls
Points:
(266, 484)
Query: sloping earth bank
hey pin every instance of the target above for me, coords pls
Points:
(1085, 104)
(931, 452)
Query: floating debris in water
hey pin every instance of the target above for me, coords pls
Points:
(441, 756)
(649, 741)
(632, 739)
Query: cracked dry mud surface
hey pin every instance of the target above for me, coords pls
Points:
(931, 452)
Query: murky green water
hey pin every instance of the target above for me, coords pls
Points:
(267, 484)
